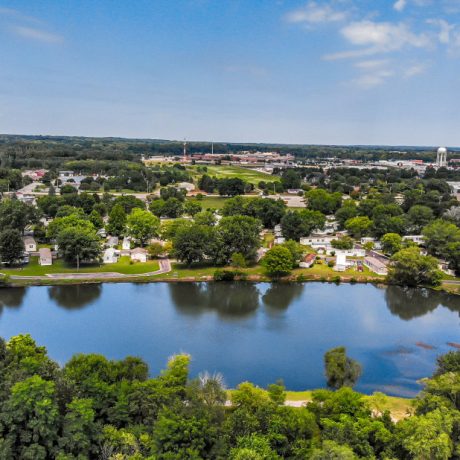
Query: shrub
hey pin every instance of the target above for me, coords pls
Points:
(224, 275)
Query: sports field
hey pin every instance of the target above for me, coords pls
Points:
(249, 175)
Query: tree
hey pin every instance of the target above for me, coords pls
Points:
(155, 250)
(237, 234)
(234, 207)
(419, 216)
(142, 225)
(333, 451)
(340, 369)
(117, 220)
(295, 249)
(172, 208)
(358, 226)
(449, 362)
(388, 218)
(16, 214)
(344, 243)
(73, 221)
(192, 243)
(269, 212)
(206, 183)
(291, 179)
(410, 268)
(77, 245)
(297, 224)
(277, 261)
(192, 208)
(231, 186)
(157, 207)
(207, 218)
(11, 246)
(96, 219)
(439, 235)
(391, 243)
(320, 200)
(238, 260)
(347, 211)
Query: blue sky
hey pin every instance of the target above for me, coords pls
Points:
(324, 72)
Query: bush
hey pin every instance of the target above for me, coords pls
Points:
(353, 280)
(336, 279)
(330, 264)
(301, 278)
(224, 275)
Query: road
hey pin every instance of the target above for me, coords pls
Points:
(165, 267)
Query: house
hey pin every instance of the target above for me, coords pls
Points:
(260, 253)
(139, 254)
(417, 239)
(30, 245)
(318, 242)
(340, 261)
(308, 261)
(45, 256)
(368, 239)
(280, 240)
(110, 256)
(102, 233)
(376, 265)
(112, 241)
(187, 186)
(126, 245)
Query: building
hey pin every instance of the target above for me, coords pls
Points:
(139, 255)
(112, 241)
(418, 239)
(110, 256)
(46, 257)
(376, 265)
(30, 245)
(126, 245)
(308, 261)
(340, 262)
(318, 242)
(187, 186)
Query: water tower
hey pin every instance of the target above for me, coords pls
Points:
(441, 157)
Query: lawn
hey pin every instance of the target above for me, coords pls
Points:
(322, 270)
(249, 175)
(215, 202)
(59, 266)
(180, 271)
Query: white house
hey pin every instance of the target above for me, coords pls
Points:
(308, 261)
(376, 265)
(30, 245)
(139, 255)
(112, 241)
(187, 186)
(317, 242)
(45, 256)
(110, 256)
(340, 261)
(368, 239)
(418, 239)
(126, 245)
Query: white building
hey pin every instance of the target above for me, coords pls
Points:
(340, 262)
(376, 265)
(30, 245)
(418, 239)
(110, 256)
(112, 241)
(441, 157)
(126, 245)
(139, 255)
(45, 256)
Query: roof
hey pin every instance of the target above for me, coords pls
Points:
(375, 262)
(139, 251)
(309, 257)
(45, 253)
(29, 240)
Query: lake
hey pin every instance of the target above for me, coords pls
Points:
(256, 332)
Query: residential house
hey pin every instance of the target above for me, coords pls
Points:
(46, 257)
(376, 265)
(418, 239)
(30, 245)
(110, 256)
(112, 241)
(126, 245)
(340, 261)
(307, 261)
(139, 255)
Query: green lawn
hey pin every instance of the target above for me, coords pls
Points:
(215, 202)
(249, 175)
(59, 266)
(180, 271)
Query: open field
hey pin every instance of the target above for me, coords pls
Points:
(249, 175)
(59, 266)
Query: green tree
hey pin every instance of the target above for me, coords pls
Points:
(172, 208)
(297, 224)
(340, 369)
(207, 218)
(233, 207)
(142, 225)
(439, 235)
(11, 246)
(323, 201)
(78, 245)
(96, 219)
(410, 268)
(192, 208)
(16, 215)
(269, 212)
(277, 261)
(347, 211)
(191, 243)
(117, 220)
(333, 451)
(391, 243)
(359, 226)
(419, 216)
(344, 243)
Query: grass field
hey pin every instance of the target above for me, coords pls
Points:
(180, 271)
(215, 202)
(249, 175)
(59, 266)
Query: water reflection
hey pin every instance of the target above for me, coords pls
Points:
(409, 303)
(230, 300)
(12, 297)
(280, 295)
(76, 296)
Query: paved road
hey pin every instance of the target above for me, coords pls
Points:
(165, 267)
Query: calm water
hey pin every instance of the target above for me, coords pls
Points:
(256, 332)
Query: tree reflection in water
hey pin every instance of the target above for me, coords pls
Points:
(229, 300)
(75, 296)
(280, 295)
(12, 297)
(409, 303)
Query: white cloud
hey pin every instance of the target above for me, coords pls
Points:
(314, 13)
(445, 29)
(371, 80)
(372, 64)
(414, 70)
(33, 33)
(384, 36)
(400, 5)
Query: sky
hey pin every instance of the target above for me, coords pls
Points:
(384, 72)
